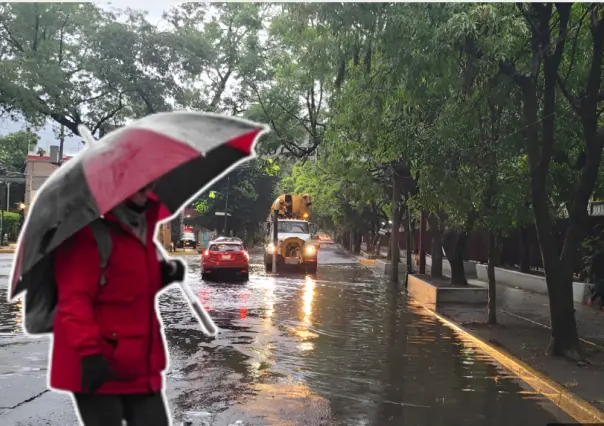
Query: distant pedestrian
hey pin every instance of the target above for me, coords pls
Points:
(597, 272)
(108, 347)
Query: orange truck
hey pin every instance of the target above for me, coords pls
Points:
(295, 245)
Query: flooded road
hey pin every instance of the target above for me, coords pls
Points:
(340, 349)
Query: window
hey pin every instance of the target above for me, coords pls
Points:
(293, 227)
(226, 247)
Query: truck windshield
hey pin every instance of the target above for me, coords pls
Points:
(293, 227)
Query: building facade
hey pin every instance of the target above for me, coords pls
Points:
(37, 169)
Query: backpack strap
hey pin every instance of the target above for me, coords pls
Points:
(102, 233)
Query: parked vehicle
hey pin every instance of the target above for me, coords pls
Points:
(324, 239)
(223, 257)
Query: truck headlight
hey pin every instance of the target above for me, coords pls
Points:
(270, 249)
(310, 249)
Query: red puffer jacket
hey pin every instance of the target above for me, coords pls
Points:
(118, 319)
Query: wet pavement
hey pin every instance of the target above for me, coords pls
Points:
(343, 348)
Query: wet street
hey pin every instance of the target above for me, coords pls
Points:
(341, 349)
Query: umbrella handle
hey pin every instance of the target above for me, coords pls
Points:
(205, 321)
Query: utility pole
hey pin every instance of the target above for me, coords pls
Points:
(2, 214)
(8, 196)
(61, 143)
(226, 205)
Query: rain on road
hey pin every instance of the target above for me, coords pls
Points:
(341, 349)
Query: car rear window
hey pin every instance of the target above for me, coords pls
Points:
(226, 247)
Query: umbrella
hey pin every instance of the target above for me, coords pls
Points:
(179, 153)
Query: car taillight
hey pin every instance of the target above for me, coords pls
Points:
(206, 253)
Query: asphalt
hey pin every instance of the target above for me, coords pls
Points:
(341, 348)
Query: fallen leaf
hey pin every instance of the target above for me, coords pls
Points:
(571, 384)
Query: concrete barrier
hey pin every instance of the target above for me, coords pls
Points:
(529, 282)
(368, 255)
(427, 293)
(469, 267)
(384, 267)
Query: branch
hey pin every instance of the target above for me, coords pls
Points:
(150, 108)
(572, 100)
(37, 29)
(286, 143)
(109, 116)
(221, 87)
(574, 47)
(291, 114)
(12, 39)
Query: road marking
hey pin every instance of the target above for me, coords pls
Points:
(574, 406)
(548, 327)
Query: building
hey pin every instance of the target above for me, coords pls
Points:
(164, 235)
(37, 169)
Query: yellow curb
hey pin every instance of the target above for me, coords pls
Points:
(6, 251)
(582, 411)
(367, 262)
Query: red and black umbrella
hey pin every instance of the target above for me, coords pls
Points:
(178, 153)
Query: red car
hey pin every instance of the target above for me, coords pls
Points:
(225, 256)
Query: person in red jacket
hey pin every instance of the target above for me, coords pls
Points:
(108, 346)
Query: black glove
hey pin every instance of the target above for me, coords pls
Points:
(95, 372)
(172, 271)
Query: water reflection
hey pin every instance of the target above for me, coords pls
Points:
(309, 292)
(10, 316)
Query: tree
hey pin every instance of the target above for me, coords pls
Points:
(217, 47)
(250, 189)
(76, 64)
(14, 148)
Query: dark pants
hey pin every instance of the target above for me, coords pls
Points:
(110, 410)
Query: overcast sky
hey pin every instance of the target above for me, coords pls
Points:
(48, 134)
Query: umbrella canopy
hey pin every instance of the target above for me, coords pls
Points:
(179, 153)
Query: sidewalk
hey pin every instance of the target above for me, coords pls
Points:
(11, 248)
(523, 331)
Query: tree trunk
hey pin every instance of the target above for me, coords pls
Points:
(377, 244)
(565, 339)
(454, 245)
(436, 270)
(525, 247)
(396, 223)
(458, 273)
(358, 239)
(389, 254)
(493, 261)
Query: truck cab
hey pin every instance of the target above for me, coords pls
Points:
(295, 245)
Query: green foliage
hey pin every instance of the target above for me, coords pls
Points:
(75, 63)
(250, 192)
(14, 148)
(11, 225)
